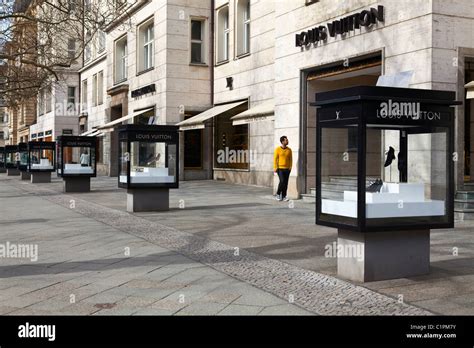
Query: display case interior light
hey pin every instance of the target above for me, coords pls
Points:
(385, 159)
(11, 156)
(23, 157)
(148, 156)
(42, 156)
(77, 156)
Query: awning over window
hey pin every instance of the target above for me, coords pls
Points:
(197, 122)
(96, 134)
(89, 132)
(109, 126)
(262, 112)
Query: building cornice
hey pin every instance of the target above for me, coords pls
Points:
(129, 11)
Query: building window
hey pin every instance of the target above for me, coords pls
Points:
(146, 118)
(121, 52)
(48, 101)
(197, 41)
(94, 90)
(71, 48)
(223, 35)
(231, 142)
(119, 4)
(22, 114)
(41, 98)
(100, 88)
(71, 99)
(193, 148)
(84, 95)
(102, 41)
(243, 27)
(88, 49)
(146, 46)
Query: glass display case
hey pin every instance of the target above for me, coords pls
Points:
(385, 159)
(148, 156)
(76, 156)
(41, 156)
(22, 164)
(11, 156)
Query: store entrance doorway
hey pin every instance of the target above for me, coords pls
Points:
(359, 71)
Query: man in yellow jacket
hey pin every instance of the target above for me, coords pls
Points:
(282, 164)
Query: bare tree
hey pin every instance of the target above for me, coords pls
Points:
(41, 38)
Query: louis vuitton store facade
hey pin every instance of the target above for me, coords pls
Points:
(324, 46)
(420, 44)
(300, 48)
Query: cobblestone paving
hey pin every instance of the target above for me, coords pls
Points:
(318, 293)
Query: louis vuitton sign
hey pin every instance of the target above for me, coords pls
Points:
(342, 26)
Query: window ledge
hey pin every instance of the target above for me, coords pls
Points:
(222, 62)
(243, 55)
(204, 65)
(116, 83)
(145, 71)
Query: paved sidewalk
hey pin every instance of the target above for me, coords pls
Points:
(83, 269)
(93, 221)
(248, 218)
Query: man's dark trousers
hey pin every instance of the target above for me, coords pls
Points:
(284, 176)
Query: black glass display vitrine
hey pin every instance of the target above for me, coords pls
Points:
(148, 156)
(385, 159)
(22, 163)
(76, 156)
(11, 156)
(41, 156)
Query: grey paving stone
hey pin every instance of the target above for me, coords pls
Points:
(202, 308)
(240, 310)
(286, 309)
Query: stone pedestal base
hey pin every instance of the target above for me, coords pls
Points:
(25, 176)
(366, 257)
(148, 199)
(13, 172)
(41, 178)
(3, 170)
(77, 184)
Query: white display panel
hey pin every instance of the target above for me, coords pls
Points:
(393, 200)
(149, 176)
(44, 164)
(77, 169)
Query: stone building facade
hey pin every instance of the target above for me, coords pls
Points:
(157, 70)
(301, 47)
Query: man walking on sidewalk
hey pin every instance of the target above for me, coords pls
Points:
(282, 163)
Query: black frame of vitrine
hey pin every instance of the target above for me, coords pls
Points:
(42, 145)
(2, 151)
(22, 147)
(129, 133)
(11, 149)
(356, 105)
(71, 141)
